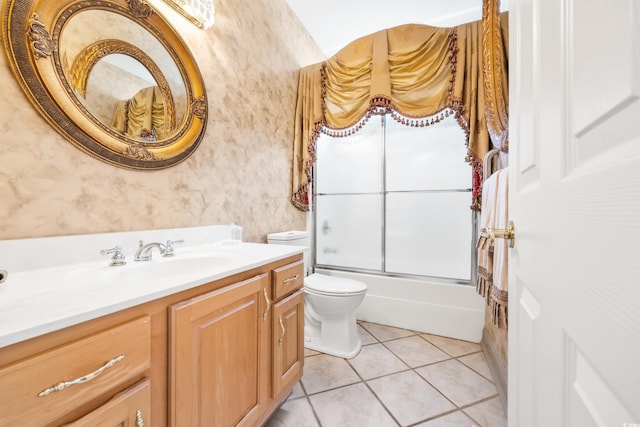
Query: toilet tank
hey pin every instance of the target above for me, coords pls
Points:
(295, 238)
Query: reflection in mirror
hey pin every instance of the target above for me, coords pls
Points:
(112, 77)
(126, 103)
(103, 100)
(143, 116)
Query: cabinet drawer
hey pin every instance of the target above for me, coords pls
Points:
(287, 279)
(42, 388)
(130, 407)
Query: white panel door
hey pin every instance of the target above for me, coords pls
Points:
(574, 285)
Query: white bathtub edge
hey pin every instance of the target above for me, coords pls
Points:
(454, 311)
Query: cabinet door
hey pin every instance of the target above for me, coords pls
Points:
(219, 360)
(128, 408)
(288, 342)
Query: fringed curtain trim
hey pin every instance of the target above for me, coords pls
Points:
(418, 74)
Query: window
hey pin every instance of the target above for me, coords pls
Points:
(395, 199)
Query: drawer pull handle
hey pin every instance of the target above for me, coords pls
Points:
(139, 420)
(291, 279)
(266, 298)
(64, 384)
(283, 331)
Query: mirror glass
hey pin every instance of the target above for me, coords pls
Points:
(123, 89)
(112, 76)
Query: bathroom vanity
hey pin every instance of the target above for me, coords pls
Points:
(212, 336)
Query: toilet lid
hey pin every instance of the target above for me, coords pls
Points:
(322, 283)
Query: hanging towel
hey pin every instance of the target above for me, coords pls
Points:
(484, 281)
(499, 290)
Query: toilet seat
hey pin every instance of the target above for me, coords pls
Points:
(322, 284)
(332, 294)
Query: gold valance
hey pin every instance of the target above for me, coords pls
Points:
(417, 73)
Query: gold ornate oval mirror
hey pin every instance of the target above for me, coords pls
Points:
(112, 76)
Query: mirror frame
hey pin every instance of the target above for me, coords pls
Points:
(32, 29)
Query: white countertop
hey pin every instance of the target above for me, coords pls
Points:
(35, 301)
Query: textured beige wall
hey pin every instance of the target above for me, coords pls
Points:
(240, 173)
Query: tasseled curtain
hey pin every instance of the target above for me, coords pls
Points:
(417, 73)
(495, 39)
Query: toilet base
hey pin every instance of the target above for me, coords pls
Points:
(313, 343)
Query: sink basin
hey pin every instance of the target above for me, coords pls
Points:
(165, 267)
(180, 265)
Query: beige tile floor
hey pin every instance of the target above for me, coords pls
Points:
(400, 378)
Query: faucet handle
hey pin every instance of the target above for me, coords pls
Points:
(169, 249)
(118, 257)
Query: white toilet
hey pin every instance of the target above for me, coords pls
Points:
(329, 305)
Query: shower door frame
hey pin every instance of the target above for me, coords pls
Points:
(384, 193)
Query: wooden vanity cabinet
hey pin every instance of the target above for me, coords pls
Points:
(288, 327)
(237, 351)
(213, 355)
(219, 345)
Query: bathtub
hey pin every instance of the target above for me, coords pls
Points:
(450, 310)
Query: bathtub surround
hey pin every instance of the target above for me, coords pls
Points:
(240, 173)
(445, 309)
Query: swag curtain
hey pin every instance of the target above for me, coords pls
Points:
(495, 36)
(417, 73)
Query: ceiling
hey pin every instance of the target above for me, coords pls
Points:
(335, 23)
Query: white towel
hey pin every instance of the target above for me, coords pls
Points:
(499, 291)
(484, 281)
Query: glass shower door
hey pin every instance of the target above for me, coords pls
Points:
(349, 199)
(395, 199)
(428, 220)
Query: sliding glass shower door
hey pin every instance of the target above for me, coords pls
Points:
(428, 219)
(395, 200)
(349, 199)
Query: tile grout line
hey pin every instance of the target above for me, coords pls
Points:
(412, 369)
(366, 384)
(376, 340)
(313, 410)
(457, 407)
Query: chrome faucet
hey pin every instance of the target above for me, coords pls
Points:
(169, 249)
(118, 257)
(144, 252)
